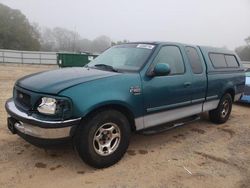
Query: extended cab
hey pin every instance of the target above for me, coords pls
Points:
(129, 87)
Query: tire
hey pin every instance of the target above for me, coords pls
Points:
(108, 127)
(222, 112)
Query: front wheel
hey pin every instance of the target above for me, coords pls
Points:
(104, 139)
(222, 112)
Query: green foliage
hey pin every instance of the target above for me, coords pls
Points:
(16, 32)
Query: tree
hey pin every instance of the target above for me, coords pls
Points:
(119, 42)
(243, 52)
(85, 45)
(100, 44)
(16, 32)
(66, 39)
(47, 39)
(61, 39)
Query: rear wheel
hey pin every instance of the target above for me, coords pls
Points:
(222, 112)
(103, 139)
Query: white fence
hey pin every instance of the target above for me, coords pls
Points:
(27, 57)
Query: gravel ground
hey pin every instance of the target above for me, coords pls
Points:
(199, 154)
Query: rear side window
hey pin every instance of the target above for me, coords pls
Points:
(172, 56)
(194, 60)
(231, 61)
(218, 60)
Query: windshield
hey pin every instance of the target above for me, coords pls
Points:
(130, 57)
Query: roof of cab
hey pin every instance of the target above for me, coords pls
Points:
(209, 49)
(206, 49)
(157, 42)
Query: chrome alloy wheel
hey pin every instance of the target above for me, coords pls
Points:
(106, 139)
(225, 109)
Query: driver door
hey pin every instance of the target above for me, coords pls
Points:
(167, 93)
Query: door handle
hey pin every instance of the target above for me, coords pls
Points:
(187, 84)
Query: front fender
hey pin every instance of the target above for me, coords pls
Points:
(109, 103)
(89, 96)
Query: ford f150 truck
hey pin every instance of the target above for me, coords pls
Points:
(129, 87)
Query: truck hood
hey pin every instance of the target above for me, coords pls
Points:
(52, 82)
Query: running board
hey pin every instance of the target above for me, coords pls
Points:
(169, 126)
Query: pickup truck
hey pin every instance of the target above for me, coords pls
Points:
(128, 88)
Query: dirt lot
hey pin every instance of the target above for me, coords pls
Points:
(199, 154)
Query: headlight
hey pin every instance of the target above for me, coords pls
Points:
(47, 106)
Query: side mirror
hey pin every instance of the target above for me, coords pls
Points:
(161, 69)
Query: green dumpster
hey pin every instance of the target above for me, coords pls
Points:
(74, 59)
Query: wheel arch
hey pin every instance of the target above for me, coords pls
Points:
(119, 107)
(231, 91)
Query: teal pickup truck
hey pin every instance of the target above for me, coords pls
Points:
(129, 87)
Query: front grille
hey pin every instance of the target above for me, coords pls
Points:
(23, 99)
(247, 90)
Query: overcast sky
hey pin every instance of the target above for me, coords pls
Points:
(211, 22)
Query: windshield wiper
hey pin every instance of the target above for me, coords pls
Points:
(107, 67)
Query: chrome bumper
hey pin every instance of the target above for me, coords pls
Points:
(52, 133)
(38, 128)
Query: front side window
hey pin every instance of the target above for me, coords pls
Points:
(194, 60)
(129, 57)
(171, 55)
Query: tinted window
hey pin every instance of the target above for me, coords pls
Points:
(218, 60)
(231, 61)
(194, 60)
(172, 56)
